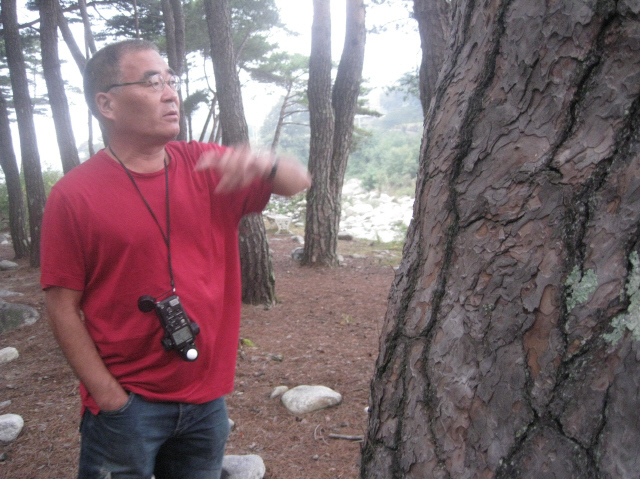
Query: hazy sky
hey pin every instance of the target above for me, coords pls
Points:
(388, 56)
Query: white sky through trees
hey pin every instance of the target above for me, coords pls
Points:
(388, 55)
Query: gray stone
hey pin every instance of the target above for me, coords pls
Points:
(298, 239)
(297, 253)
(5, 404)
(304, 399)
(4, 293)
(13, 315)
(243, 467)
(10, 427)
(8, 354)
(6, 265)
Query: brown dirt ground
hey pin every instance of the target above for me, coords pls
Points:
(323, 331)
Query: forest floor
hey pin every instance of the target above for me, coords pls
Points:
(324, 330)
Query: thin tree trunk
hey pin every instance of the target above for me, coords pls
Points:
(511, 343)
(36, 197)
(9, 164)
(210, 116)
(331, 142)
(86, 21)
(90, 49)
(69, 39)
(318, 239)
(346, 91)
(172, 57)
(281, 116)
(55, 84)
(258, 281)
(137, 18)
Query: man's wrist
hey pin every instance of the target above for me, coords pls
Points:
(274, 169)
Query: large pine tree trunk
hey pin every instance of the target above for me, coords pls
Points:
(258, 283)
(511, 343)
(55, 84)
(9, 164)
(36, 196)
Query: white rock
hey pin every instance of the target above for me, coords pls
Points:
(232, 425)
(244, 467)
(304, 399)
(8, 354)
(278, 391)
(5, 404)
(10, 427)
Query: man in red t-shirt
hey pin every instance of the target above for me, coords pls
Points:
(145, 222)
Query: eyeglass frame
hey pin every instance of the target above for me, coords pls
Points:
(175, 79)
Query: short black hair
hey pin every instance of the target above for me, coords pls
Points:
(103, 68)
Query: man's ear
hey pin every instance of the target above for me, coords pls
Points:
(103, 102)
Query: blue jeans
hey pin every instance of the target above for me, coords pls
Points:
(142, 438)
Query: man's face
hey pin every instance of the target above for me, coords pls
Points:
(138, 111)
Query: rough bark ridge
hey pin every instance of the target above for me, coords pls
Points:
(258, 283)
(511, 341)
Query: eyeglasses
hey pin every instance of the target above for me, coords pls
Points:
(156, 81)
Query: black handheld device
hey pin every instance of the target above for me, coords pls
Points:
(179, 331)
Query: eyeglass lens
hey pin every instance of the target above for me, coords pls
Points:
(158, 82)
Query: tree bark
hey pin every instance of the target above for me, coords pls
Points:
(69, 39)
(36, 196)
(55, 84)
(331, 121)
(174, 54)
(511, 343)
(9, 164)
(258, 280)
(281, 117)
(86, 21)
(434, 25)
(318, 239)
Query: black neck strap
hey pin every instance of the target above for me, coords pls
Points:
(165, 237)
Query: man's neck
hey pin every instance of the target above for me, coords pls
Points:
(137, 160)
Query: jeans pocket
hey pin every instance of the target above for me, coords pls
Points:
(122, 409)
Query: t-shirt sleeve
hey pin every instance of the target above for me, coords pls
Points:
(61, 251)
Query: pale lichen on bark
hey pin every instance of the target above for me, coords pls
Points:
(580, 287)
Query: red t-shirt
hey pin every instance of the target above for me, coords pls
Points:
(98, 237)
